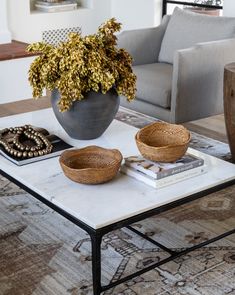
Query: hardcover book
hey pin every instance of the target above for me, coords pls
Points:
(166, 181)
(58, 147)
(157, 170)
(56, 7)
(53, 4)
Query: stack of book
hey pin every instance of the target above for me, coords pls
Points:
(63, 5)
(158, 174)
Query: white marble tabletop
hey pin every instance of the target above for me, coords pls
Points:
(123, 197)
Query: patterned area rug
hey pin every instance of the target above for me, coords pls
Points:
(42, 253)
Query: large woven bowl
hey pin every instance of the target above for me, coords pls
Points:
(163, 142)
(91, 165)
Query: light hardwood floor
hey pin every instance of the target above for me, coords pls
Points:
(213, 127)
(23, 106)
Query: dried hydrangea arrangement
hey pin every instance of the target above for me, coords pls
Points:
(82, 64)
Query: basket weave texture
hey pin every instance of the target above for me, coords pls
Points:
(91, 165)
(163, 142)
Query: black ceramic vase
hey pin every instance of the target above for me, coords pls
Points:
(88, 118)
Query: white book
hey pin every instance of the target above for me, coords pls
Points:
(51, 4)
(163, 182)
(64, 7)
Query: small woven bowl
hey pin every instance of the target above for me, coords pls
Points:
(163, 142)
(91, 165)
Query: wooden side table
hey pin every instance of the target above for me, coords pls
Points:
(229, 105)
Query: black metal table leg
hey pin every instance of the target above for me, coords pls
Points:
(96, 235)
(96, 263)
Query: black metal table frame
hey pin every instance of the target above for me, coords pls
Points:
(96, 235)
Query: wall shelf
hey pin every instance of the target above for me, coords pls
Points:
(28, 24)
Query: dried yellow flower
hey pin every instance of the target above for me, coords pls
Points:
(82, 64)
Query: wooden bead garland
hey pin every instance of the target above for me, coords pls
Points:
(20, 150)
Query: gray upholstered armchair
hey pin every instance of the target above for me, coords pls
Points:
(179, 65)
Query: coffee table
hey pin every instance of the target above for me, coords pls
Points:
(103, 208)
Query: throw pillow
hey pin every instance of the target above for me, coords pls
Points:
(186, 29)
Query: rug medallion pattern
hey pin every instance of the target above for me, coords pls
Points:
(42, 253)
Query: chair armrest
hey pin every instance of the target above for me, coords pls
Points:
(197, 86)
(143, 44)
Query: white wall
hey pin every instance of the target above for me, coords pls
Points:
(229, 8)
(101, 13)
(134, 14)
(5, 36)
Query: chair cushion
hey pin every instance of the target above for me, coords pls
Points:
(154, 83)
(186, 29)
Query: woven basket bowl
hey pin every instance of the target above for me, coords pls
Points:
(163, 142)
(91, 165)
